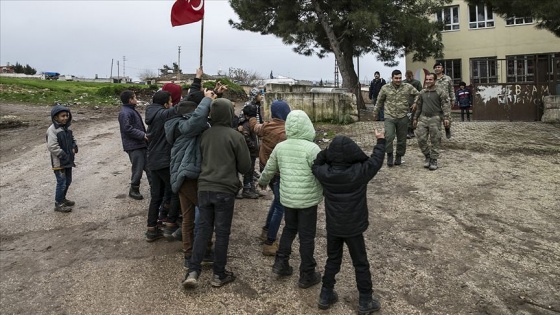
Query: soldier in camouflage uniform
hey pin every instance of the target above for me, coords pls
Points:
(418, 86)
(432, 108)
(445, 82)
(394, 98)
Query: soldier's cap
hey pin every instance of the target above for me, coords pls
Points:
(438, 64)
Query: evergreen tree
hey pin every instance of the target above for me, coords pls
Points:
(28, 70)
(347, 28)
(18, 68)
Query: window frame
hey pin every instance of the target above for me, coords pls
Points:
(488, 17)
(520, 68)
(486, 70)
(514, 21)
(452, 25)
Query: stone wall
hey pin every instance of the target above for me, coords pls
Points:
(337, 108)
(551, 109)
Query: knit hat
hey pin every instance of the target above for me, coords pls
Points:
(254, 92)
(175, 91)
(279, 109)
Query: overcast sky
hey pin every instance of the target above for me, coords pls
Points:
(80, 37)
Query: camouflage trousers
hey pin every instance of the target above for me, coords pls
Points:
(429, 127)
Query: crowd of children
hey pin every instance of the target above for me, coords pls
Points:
(194, 151)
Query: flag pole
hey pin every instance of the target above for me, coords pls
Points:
(201, 40)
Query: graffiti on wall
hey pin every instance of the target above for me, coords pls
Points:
(513, 93)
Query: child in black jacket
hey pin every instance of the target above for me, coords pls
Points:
(344, 171)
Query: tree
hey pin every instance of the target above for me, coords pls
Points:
(544, 11)
(242, 76)
(147, 74)
(18, 68)
(28, 70)
(347, 28)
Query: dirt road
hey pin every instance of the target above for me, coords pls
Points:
(481, 235)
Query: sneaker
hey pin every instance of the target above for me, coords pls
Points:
(239, 194)
(327, 298)
(309, 280)
(153, 233)
(178, 234)
(398, 160)
(68, 203)
(186, 263)
(218, 281)
(427, 161)
(368, 304)
(282, 268)
(270, 250)
(448, 133)
(390, 159)
(168, 231)
(249, 193)
(264, 235)
(62, 208)
(191, 280)
(433, 164)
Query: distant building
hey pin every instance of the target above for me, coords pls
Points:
(7, 69)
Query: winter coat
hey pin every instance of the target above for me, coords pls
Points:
(132, 128)
(250, 137)
(60, 140)
(184, 133)
(293, 158)
(375, 86)
(224, 152)
(344, 171)
(159, 150)
(463, 97)
(271, 132)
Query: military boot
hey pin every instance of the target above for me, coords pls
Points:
(390, 161)
(427, 161)
(433, 164)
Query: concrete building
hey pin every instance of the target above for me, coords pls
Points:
(505, 60)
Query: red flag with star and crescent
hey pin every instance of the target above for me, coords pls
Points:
(186, 12)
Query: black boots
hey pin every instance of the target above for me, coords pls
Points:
(134, 192)
(398, 160)
(427, 160)
(281, 267)
(368, 304)
(433, 165)
(327, 298)
(448, 133)
(390, 161)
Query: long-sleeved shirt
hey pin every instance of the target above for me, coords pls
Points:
(432, 102)
(395, 99)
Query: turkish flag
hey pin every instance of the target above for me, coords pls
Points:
(187, 11)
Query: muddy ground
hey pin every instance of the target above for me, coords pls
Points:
(481, 235)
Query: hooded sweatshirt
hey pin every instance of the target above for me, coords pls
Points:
(344, 170)
(159, 150)
(224, 152)
(293, 158)
(60, 140)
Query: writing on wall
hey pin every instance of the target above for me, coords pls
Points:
(512, 93)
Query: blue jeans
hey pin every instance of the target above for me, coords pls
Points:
(304, 222)
(357, 249)
(216, 214)
(63, 181)
(275, 212)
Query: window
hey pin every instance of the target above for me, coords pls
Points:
(480, 16)
(519, 21)
(449, 17)
(452, 67)
(484, 70)
(520, 68)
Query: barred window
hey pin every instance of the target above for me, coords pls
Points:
(484, 70)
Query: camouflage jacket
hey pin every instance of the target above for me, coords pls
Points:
(446, 84)
(432, 102)
(395, 99)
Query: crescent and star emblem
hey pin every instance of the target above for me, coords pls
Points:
(197, 8)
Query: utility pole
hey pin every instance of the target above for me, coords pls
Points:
(178, 63)
(123, 66)
(111, 76)
(118, 72)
